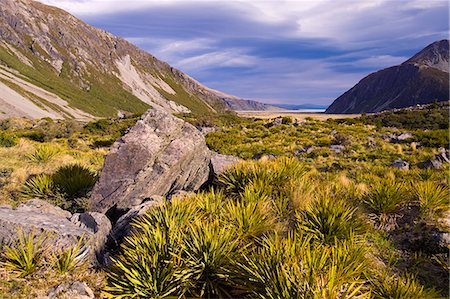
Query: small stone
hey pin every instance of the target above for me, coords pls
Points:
(400, 164)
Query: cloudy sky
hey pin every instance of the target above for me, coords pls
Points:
(274, 51)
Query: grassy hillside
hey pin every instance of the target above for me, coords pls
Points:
(104, 97)
(303, 221)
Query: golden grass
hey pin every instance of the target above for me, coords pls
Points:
(17, 159)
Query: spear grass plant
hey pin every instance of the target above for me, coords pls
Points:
(40, 186)
(433, 199)
(25, 254)
(400, 287)
(74, 257)
(44, 153)
(328, 219)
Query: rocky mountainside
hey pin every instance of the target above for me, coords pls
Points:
(54, 65)
(422, 79)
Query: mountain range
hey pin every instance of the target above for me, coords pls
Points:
(422, 79)
(54, 65)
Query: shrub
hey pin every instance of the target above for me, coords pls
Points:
(7, 140)
(74, 180)
(40, 186)
(44, 153)
(432, 198)
(25, 254)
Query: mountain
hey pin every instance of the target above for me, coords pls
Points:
(54, 65)
(422, 79)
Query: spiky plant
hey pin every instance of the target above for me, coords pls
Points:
(384, 201)
(25, 255)
(69, 259)
(208, 251)
(146, 267)
(328, 219)
(209, 203)
(74, 180)
(433, 199)
(44, 153)
(403, 287)
(251, 219)
(40, 186)
(292, 268)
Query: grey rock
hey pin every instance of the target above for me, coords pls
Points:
(206, 130)
(43, 207)
(333, 132)
(404, 136)
(29, 220)
(276, 122)
(123, 225)
(431, 164)
(63, 233)
(400, 164)
(161, 153)
(70, 290)
(299, 151)
(96, 223)
(337, 148)
(437, 162)
(220, 163)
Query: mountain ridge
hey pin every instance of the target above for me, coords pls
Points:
(422, 79)
(54, 65)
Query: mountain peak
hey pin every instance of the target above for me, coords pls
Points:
(422, 79)
(435, 55)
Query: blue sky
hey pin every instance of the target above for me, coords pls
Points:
(273, 51)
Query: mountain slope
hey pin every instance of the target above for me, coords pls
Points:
(422, 79)
(52, 64)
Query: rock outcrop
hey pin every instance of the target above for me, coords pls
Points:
(160, 154)
(66, 230)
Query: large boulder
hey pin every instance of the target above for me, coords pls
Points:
(160, 154)
(63, 233)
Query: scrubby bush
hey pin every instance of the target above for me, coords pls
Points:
(7, 139)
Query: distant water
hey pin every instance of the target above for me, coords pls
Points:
(306, 111)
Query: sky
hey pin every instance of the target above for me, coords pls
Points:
(273, 51)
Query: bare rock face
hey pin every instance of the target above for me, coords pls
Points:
(160, 154)
(64, 232)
